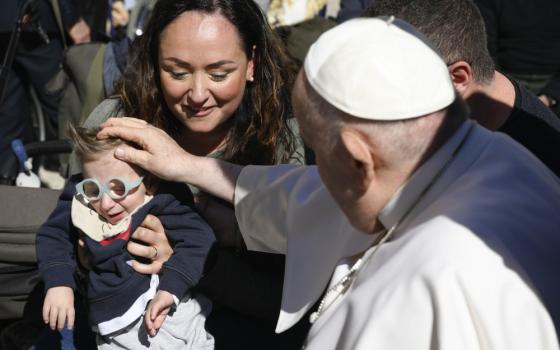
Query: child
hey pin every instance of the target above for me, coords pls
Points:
(105, 207)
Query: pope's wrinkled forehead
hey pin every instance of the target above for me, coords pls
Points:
(379, 69)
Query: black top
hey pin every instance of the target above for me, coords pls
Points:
(524, 37)
(534, 126)
(113, 284)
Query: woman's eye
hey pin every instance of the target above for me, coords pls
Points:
(218, 76)
(179, 75)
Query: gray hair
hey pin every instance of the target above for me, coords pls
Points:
(399, 141)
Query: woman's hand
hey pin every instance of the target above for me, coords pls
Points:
(159, 153)
(156, 247)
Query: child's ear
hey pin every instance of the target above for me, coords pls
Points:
(152, 184)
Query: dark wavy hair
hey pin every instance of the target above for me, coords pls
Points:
(259, 127)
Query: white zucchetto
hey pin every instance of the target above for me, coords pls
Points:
(379, 69)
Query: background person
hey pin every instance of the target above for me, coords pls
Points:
(497, 102)
(37, 59)
(432, 247)
(524, 40)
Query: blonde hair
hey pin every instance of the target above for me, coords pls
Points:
(86, 145)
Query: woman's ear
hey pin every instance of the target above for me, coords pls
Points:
(250, 74)
(362, 162)
(462, 77)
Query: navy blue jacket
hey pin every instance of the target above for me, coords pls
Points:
(351, 9)
(113, 286)
(69, 11)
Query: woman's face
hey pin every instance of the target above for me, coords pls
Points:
(203, 70)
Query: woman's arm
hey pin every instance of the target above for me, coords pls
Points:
(192, 240)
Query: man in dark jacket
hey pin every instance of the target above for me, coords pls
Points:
(37, 58)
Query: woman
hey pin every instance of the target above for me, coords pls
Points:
(211, 75)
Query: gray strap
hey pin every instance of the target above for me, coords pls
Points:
(56, 10)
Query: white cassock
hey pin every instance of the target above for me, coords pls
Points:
(470, 267)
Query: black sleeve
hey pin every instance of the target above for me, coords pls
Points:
(55, 243)
(191, 239)
(70, 11)
(552, 88)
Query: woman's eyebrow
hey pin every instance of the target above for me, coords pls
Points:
(188, 65)
(176, 61)
(219, 64)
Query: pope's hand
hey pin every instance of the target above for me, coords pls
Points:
(159, 153)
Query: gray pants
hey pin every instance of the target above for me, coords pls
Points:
(182, 329)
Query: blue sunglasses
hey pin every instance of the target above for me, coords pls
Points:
(116, 188)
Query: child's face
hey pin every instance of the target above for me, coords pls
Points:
(104, 166)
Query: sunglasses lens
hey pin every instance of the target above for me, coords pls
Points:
(117, 188)
(91, 190)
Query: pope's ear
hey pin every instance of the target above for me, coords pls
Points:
(461, 75)
(362, 161)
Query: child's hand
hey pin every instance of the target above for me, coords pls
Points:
(58, 307)
(157, 310)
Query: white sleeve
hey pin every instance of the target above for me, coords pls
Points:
(262, 197)
(286, 209)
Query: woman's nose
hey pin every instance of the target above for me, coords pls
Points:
(198, 93)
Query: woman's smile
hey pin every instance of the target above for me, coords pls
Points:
(199, 112)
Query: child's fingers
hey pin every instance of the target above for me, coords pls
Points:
(61, 319)
(154, 317)
(148, 319)
(159, 313)
(159, 321)
(71, 317)
(155, 308)
(53, 314)
(46, 310)
(153, 332)
(149, 324)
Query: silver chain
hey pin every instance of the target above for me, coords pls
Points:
(346, 281)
